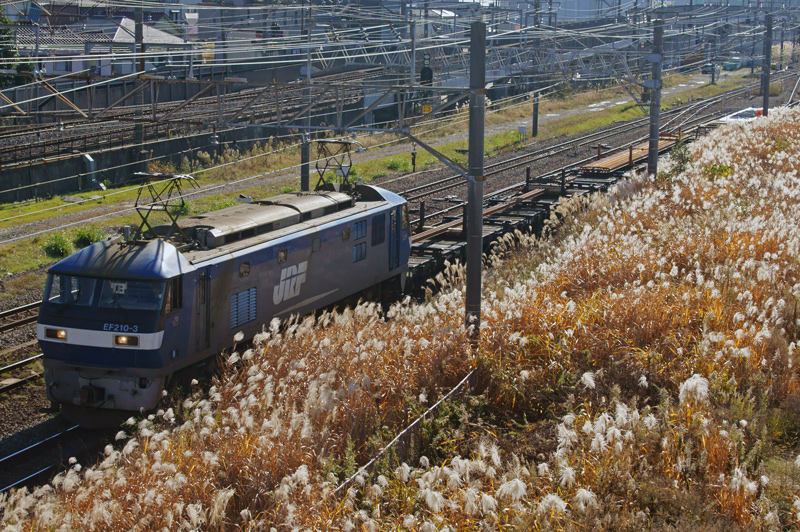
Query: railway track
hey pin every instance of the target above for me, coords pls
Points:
(19, 316)
(420, 193)
(676, 120)
(10, 383)
(13, 476)
(117, 127)
(17, 372)
(38, 461)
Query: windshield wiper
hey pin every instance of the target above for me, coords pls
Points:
(119, 306)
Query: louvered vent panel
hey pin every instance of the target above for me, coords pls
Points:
(243, 307)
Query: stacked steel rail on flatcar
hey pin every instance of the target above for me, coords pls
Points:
(625, 159)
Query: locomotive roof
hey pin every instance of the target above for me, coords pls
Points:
(263, 216)
(240, 227)
(232, 228)
(154, 259)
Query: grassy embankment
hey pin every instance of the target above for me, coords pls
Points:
(30, 255)
(638, 371)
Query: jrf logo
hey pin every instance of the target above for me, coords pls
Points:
(292, 279)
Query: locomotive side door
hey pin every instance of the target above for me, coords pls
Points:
(203, 313)
(394, 240)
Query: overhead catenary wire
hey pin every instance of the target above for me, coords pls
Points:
(603, 31)
(432, 126)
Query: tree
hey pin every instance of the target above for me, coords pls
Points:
(9, 56)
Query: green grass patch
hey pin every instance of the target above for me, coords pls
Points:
(397, 164)
(223, 203)
(58, 245)
(86, 236)
(12, 214)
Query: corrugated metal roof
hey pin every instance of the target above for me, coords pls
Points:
(56, 37)
(126, 32)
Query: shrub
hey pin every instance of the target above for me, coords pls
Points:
(205, 158)
(398, 165)
(58, 245)
(165, 167)
(774, 89)
(715, 171)
(87, 236)
(681, 159)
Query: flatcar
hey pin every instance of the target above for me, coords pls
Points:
(120, 320)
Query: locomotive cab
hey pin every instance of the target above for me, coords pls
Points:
(102, 326)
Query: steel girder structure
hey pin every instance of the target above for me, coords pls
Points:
(544, 52)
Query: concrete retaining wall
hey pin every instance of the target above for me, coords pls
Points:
(115, 166)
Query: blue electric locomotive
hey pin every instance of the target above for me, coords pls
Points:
(120, 320)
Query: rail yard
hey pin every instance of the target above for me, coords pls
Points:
(158, 119)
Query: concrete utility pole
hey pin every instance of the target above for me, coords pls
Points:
(655, 98)
(765, 68)
(477, 103)
(713, 56)
(305, 146)
(535, 125)
(783, 38)
(138, 100)
(753, 49)
(413, 30)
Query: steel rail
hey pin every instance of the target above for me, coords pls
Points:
(17, 382)
(697, 106)
(21, 363)
(548, 152)
(231, 101)
(17, 310)
(35, 446)
(11, 313)
(544, 179)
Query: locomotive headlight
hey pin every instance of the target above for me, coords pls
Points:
(126, 341)
(55, 334)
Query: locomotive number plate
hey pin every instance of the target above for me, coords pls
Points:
(120, 327)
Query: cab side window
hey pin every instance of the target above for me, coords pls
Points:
(359, 230)
(359, 252)
(172, 297)
(379, 229)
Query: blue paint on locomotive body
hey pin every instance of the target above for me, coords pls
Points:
(132, 314)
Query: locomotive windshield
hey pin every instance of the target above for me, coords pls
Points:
(131, 295)
(105, 293)
(69, 290)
